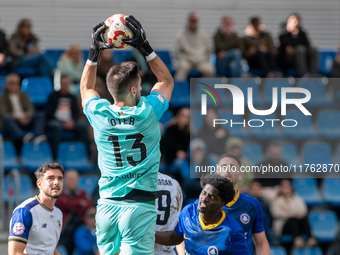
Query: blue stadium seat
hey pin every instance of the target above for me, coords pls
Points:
(85, 54)
(165, 56)
(2, 84)
(307, 251)
(269, 130)
(329, 123)
(167, 116)
(324, 225)
(307, 189)
(73, 155)
(318, 92)
(54, 55)
(277, 250)
(121, 55)
(290, 153)
(276, 83)
(38, 89)
(244, 84)
(317, 153)
(330, 191)
(88, 183)
(236, 130)
(181, 94)
(33, 155)
(253, 152)
(326, 59)
(196, 121)
(26, 188)
(10, 157)
(26, 71)
(304, 128)
(62, 249)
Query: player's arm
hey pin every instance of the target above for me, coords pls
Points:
(165, 82)
(16, 248)
(88, 78)
(261, 243)
(180, 248)
(56, 252)
(168, 238)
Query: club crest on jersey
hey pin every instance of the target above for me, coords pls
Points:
(18, 228)
(212, 250)
(245, 218)
(160, 98)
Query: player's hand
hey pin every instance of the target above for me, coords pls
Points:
(98, 43)
(139, 40)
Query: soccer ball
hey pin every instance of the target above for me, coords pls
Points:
(115, 30)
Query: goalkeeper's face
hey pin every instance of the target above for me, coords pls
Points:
(51, 183)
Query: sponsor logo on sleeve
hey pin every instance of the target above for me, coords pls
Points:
(160, 98)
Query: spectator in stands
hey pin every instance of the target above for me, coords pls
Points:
(273, 159)
(290, 215)
(106, 62)
(175, 142)
(71, 63)
(85, 240)
(234, 146)
(214, 137)
(295, 49)
(192, 50)
(259, 48)
(23, 47)
(62, 114)
(228, 48)
(73, 203)
(336, 65)
(5, 60)
(17, 113)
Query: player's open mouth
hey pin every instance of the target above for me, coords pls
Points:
(202, 204)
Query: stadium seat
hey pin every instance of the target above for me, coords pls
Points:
(2, 84)
(167, 116)
(304, 128)
(290, 153)
(326, 59)
(85, 54)
(277, 83)
(328, 124)
(121, 55)
(244, 84)
(62, 249)
(73, 155)
(10, 157)
(54, 55)
(180, 95)
(88, 183)
(236, 130)
(38, 89)
(307, 189)
(277, 250)
(165, 56)
(318, 92)
(317, 153)
(33, 155)
(253, 152)
(269, 130)
(330, 191)
(307, 251)
(26, 188)
(26, 71)
(324, 225)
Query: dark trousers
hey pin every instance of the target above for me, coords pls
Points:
(296, 227)
(262, 60)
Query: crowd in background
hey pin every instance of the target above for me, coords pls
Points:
(21, 122)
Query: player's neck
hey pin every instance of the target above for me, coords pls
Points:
(236, 189)
(211, 218)
(47, 201)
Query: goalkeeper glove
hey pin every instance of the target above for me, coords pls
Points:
(98, 43)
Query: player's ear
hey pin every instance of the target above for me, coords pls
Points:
(240, 176)
(38, 183)
(222, 204)
(133, 90)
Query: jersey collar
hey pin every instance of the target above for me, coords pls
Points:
(234, 200)
(48, 209)
(204, 227)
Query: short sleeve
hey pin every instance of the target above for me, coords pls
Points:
(258, 223)
(20, 225)
(238, 242)
(93, 105)
(158, 102)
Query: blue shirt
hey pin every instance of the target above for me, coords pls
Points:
(224, 238)
(127, 140)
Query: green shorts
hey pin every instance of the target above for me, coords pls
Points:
(125, 227)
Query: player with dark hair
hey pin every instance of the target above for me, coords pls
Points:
(244, 209)
(127, 136)
(36, 223)
(206, 228)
